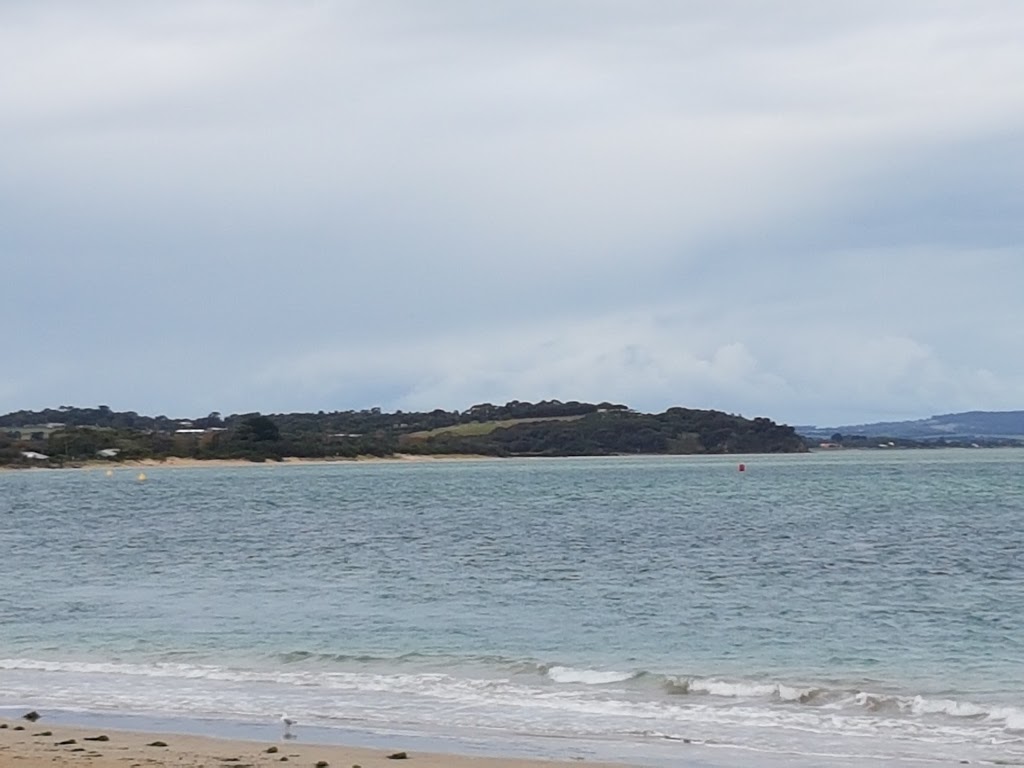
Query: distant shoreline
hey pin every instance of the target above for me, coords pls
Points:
(179, 462)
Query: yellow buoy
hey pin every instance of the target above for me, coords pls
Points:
(110, 473)
(142, 476)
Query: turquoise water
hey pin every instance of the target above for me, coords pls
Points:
(824, 609)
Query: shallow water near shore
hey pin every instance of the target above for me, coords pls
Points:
(833, 608)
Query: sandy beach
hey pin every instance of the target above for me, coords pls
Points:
(180, 462)
(23, 743)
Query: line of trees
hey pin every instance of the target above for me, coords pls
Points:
(552, 428)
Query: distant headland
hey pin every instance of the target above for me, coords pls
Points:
(968, 429)
(70, 436)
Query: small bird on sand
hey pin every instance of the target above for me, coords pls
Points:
(288, 722)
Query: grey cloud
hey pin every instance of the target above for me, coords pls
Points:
(343, 204)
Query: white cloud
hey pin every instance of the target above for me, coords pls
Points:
(643, 360)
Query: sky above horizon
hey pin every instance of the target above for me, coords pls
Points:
(807, 211)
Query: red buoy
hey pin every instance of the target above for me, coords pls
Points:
(743, 467)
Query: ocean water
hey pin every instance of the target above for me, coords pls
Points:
(848, 608)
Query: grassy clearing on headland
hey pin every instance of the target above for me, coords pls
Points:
(477, 428)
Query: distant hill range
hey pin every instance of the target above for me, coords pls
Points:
(970, 426)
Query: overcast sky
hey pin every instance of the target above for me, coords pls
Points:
(811, 211)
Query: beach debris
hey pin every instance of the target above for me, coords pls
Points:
(283, 759)
(3, 726)
(18, 728)
(101, 737)
(66, 741)
(398, 756)
(31, 716)
(157, 744)
(322, 764)
(270, 750)
(45, 733)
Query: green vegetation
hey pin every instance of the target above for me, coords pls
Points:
(477, 428)
(59, 437)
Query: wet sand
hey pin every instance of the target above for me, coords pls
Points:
(24, 745)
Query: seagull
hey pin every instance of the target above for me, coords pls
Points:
(288, 722)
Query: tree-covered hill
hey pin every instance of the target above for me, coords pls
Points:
(608, 432)
(548, 428)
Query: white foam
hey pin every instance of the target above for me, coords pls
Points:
(922, 706)
(791, 693)
(733, 690)
(1011, 716)
(587, 676)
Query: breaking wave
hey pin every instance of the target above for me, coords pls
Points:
(562, 674)
(504, 685)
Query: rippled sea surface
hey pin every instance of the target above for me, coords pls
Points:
(843, 608)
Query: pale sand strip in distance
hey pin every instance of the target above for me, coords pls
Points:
(179, 462)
